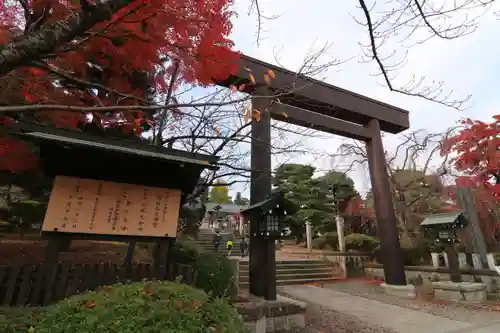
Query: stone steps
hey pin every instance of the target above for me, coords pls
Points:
(301, 276)
(289, 272)
(204, 243)
(304, 271)
(245, 285)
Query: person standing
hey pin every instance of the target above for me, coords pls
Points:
(217, 240)
(247, 245)
(242, 246)
(229, 246)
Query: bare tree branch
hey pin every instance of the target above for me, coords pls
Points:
(415, 169)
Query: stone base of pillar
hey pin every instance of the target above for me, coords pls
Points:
(468, 292)
(407, 291)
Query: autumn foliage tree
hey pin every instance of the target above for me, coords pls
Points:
(477, 153)
(219, 193)
(105, 53)
(487, 208)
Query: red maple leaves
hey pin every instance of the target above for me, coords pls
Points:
(121, 61)
(148, 36)
(15, 156)
(477, 154)
(476, 150)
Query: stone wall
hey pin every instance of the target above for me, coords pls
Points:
(282, 315)
(352, 264)
(416, 274)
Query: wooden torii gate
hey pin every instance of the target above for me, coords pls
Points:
(324, 107)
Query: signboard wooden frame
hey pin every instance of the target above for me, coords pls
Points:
(98, 208)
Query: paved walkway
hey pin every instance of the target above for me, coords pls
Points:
(398, 319)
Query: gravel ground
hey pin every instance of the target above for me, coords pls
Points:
(451, 311)
(322, 320)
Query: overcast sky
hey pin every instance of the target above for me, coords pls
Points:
(468, 65)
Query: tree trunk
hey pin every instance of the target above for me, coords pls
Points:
(38, 44)
(405, 236)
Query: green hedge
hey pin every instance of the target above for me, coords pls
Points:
(216, 273)
(412, 256)
(361, 242)
(29, 210)
(328, 241)
(147, 307)
(319, 243)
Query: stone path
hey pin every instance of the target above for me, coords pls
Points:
(395, 318)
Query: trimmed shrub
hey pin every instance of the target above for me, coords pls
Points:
(30, 211)
(329, 240)
(184, 253)
(148, 307)
(319, 243)
(412, 256)
(216, 274)
(332, 239)
(18, 320)
(376, 255)
(361, 242)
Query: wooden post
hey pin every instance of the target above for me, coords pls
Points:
(392, 256)
(55, 243)
(130, 253)
(453, 263)
(161, 259)
(262, 251)
(466, 201)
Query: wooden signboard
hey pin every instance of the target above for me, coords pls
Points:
(98, 207)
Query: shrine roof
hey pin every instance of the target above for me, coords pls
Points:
(225, 208)
(58, 136)
(442, 219)
(277, 199)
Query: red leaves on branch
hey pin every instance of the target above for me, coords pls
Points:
(16, 156)
(486, 203)
(477, 154)
(146, 38)
(355, 206)
(477, 150)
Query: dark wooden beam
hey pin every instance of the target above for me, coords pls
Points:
(316, 96)
(387, 230)
(317, 121)
(262, 266)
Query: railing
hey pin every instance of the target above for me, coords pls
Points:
(35, 285)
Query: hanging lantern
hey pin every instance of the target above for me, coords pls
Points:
(443, 227)
(267, 217)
